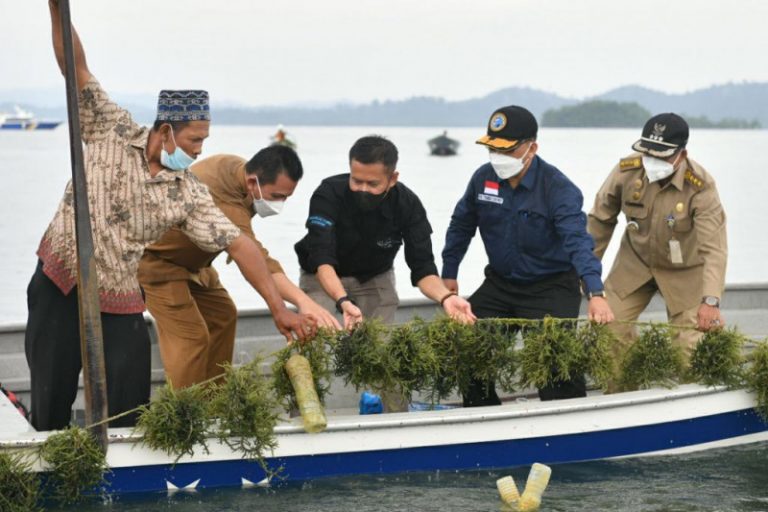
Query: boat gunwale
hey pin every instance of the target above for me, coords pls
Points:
(450, 416)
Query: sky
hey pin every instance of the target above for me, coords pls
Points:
(319, 52)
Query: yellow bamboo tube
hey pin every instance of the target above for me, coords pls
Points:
(311, 409)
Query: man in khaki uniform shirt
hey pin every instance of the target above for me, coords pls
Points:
(195, 315)
(675, 240)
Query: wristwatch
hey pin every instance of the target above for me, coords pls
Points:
(341, 301)
(598, 293)
(709, 300)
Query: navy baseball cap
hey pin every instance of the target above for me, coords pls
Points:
(508, 127)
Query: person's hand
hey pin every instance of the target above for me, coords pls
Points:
(295, 326)
(599, 311)
(323, 316)
(709, 317)
(459, 309)
(452, 285)
(352, 315)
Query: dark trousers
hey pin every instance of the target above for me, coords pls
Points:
(557, 296)
(52, 345)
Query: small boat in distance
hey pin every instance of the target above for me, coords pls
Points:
(281, 138)
(443, 145)
(23, 120)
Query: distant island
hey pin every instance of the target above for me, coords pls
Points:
(742, 105)
(614, 114)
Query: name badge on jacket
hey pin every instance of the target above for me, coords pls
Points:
(490, 199)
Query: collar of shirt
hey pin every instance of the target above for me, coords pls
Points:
(140, 141)
(529, 180)
(678, 179)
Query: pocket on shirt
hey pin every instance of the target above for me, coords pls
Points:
(682, 225)
(534, 232)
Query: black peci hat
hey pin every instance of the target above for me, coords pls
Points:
(663, 134)
(508, 126)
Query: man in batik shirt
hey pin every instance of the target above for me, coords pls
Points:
(138, 188)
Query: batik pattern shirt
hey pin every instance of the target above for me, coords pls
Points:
(129, 208)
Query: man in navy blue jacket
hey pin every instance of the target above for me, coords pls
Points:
(534, 231)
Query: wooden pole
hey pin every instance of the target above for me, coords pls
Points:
(91, 345)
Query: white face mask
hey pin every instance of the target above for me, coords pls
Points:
(266, 208)
(657, 169)
(507, 166)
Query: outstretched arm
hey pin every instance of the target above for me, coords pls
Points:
(332, 285)
(293, 294)
(455, 307)
(82, 74)
(254, 268)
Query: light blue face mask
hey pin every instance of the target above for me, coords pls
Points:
(176, 161)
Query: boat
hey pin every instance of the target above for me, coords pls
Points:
(442, 145)
(23, 120)
(281, 138)
(641, 423)
(521, 431)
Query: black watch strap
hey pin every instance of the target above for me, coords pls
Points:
(341, 301)
(597, 293)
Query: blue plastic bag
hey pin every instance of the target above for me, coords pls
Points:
(370, 403)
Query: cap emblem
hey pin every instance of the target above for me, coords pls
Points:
(498, 122)
(658, 132)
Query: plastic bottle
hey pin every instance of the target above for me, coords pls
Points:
(537, 482)
(300, 373)
(508, 490)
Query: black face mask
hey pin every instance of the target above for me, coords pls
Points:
(368, 202)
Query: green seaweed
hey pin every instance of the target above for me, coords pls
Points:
(757, 378)
(318, 352)
(596, 341)
(176, 421)
(244, 405)
(76, 465)
(717, 358)
(19, 486)
(551, 353)
(653, 360)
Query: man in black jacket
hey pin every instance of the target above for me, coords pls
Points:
(357, 224)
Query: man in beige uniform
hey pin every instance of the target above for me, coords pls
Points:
(195, 316)
(675, 240)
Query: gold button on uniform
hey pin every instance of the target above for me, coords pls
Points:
(636, 196)
(679, 207)
(638, 183)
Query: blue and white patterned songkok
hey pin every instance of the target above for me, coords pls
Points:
(188, 105)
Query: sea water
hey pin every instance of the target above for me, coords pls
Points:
(724, 480)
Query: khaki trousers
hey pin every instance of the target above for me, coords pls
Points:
(629, 309)
(196, 328)
(376, 297)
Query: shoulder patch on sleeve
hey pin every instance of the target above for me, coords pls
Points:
(693, 179)
(628, 164)
(321, 222)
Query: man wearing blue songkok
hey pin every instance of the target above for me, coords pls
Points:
(138, 188)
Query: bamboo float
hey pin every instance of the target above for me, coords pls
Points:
(311, 409)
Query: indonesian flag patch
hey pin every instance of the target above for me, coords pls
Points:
(491, 188)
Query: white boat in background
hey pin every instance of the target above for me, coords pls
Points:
(23, 120)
